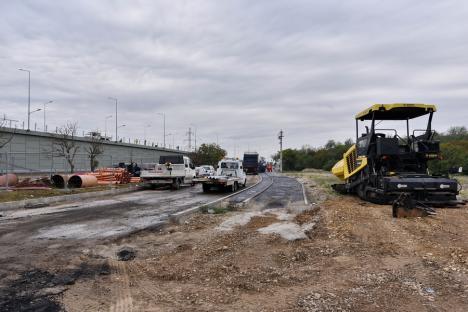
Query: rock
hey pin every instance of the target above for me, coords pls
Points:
(126, 254)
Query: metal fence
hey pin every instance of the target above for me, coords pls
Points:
(50, 163)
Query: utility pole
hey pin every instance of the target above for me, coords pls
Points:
(105, 125)
(29, 93)
(280, 137)
(195, 134)
(164, 128)
(189, 133)
(116, 127)
(44, 128)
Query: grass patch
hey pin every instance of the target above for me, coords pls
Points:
(464, 182)
(221, 209)
(323, 179)
(215, 210)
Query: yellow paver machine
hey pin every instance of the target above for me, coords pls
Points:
(386, 168)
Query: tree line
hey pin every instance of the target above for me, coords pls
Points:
(454, 151)
(311, 157)
(453, 146)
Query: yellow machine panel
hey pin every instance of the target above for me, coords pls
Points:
(350, 164)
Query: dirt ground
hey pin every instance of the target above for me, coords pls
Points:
(356, 258)
(21, 194)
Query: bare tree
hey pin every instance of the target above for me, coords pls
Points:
(5, 138)
(65, 144)
(94, 149)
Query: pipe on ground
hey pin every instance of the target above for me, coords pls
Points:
(11, 178)
(78, 181)
(60, 180)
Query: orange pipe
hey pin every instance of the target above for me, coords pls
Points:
(78, 181)
(60, 180)
(11, 178)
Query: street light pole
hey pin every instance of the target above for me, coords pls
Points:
(144, 128)
(44, 129)
(114, 99)
(105, 125)
(164, 127)
(29, 93)
(30, 113)
(121, 127)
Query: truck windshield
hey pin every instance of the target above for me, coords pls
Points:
(229, 165)
(149, 166)
(173, 159)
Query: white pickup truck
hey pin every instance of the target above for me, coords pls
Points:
(171, 170)
(229, 176)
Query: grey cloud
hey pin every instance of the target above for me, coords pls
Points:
(237, 70)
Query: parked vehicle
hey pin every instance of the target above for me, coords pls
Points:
(250, 162)
(205, 170)
(173, 170)
(229, 176)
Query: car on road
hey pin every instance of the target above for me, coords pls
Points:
(204, 170)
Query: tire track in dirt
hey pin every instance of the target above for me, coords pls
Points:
(124, 301)
(141, 277)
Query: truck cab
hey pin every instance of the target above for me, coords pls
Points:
(229, 175)
(173, 170)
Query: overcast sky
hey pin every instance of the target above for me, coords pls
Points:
(237, 71)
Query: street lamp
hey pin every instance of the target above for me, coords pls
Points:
(29, 93)
(105, 126)
(121, 126)
(30, 113)
(173, 138)
(114, 99)
(45, 115)
(164, 127)
(144, 128)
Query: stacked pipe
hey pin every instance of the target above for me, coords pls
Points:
(135, 180)
(112, 176)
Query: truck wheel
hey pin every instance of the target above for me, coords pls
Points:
(206, 188)
(235, 187)
(176, 184)
(230, 188)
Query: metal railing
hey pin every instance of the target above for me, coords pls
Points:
(48, 163)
